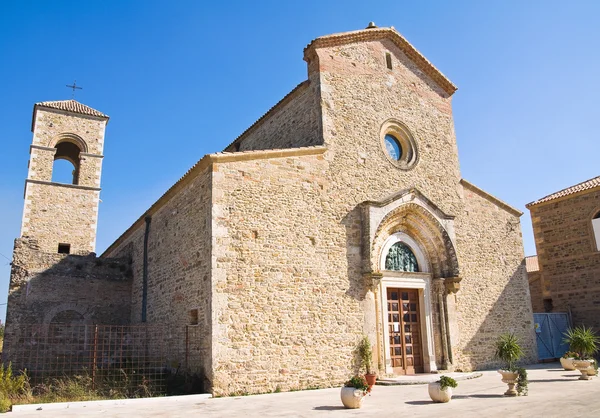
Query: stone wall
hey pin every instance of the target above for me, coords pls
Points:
(44, 286)
(536, 291)
(292, 123)
(287, 315)
(494, 296)
(56, 213)
(567, 254)
(179, 261)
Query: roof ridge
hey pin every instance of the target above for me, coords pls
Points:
(567, 191)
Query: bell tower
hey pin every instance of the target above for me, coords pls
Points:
(63, 216)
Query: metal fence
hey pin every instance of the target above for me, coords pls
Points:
(136, 359)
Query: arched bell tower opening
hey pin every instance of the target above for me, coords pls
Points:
(409, 261)
(67, 157)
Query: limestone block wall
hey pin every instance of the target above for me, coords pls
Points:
(292, 123)
(569, 261)
(44, 285)
(288, 307)
(359, 94)
(41, 160)
(90, 170)
(56, 213)
(494, 291)
(179, 260)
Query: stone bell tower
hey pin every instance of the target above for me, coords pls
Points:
(63, 217)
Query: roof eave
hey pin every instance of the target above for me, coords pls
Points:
(39, 105)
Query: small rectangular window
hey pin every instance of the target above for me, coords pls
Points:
(64, 248)
(388, 60)
(193, 316)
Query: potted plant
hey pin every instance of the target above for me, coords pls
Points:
(366, 358)
(354, 391)
(585, 342)
(566, 361)
(441, 391)
(509, 351)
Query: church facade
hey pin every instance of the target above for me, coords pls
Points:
(340, 213)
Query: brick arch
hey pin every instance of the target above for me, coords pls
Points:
(69, 137)
(423, 227)
(68, 306)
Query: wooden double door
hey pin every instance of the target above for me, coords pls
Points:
(404, 328)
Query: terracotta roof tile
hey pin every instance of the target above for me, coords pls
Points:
(72, 106)
(376, 33)
(531, 264)
(586, 185)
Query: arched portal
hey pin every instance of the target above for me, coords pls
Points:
(409, 250)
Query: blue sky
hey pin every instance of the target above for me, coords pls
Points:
(183, 78)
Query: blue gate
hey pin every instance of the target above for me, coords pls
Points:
(549, 330)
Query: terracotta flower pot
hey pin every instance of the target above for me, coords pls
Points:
(371, 379)
(351, 397)
(437, 394)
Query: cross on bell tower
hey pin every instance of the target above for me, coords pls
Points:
(74, 87)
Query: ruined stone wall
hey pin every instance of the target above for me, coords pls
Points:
(43, 286)
(179, 251)
(494, 292)
(292, 123)
(567, 254)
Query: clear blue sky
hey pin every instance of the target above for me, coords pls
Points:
(183, 78)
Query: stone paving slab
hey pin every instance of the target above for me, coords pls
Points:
(553, 392)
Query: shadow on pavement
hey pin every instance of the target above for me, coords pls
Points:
(553, 380)
(482, 396)
(328, 408)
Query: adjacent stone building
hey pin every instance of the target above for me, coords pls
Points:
(566, 228)
(340, 212)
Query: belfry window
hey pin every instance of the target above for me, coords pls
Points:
(66, 163)
(596, 228)
(401, 258)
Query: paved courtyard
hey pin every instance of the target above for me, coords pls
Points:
(553, 392)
